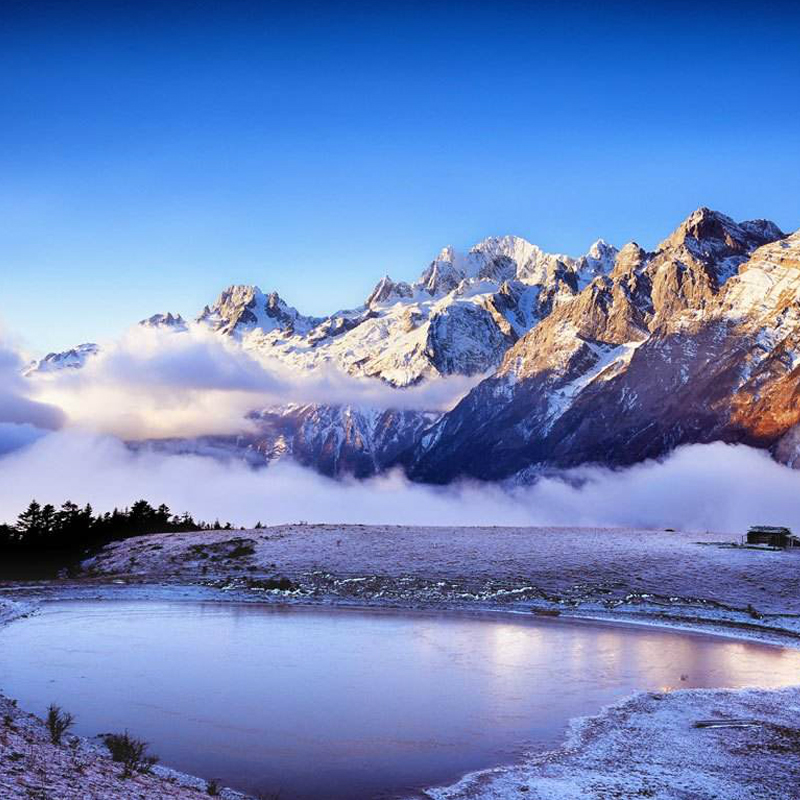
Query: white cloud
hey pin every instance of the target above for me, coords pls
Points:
(22, 418)
(699, 487)
(716, 487)
(156, 383)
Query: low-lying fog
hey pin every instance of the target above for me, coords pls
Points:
(62, 438)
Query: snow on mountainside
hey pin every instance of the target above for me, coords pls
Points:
(331, 439)
(612, 357)
(459, 317)
(336, 439)
(695, 342)
(68, 359)
(240, 310)
(165, 321)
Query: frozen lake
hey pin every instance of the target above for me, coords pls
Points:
(321, 703)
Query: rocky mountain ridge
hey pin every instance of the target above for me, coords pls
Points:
(673, 347)
(459, 317)
(612, 357)
(74, 358)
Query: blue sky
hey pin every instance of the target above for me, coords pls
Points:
(151, 156)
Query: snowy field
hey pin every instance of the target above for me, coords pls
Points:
(678, 577)
(645, 747)
(648, 747)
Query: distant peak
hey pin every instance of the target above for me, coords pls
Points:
(602, 249)
(73, 358)
(631, 248)
(630, 257)
(705, 228)
(168, 320)
(447, 253)
(515, 247)
(387, 289)
(702, 224)
(764, 228)
(704, 218)
(241, 290)
(507, 239)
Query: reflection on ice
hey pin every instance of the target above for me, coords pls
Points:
(347, 704)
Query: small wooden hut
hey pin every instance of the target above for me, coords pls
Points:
(772, 536)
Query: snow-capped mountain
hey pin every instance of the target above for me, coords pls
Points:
(331, 439)
(459, 317)
(698, 341)
(339, 439)
(174, 322)
(241, 311)
(612, 357)
(74, 358)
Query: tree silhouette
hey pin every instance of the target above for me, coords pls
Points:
(67, 535)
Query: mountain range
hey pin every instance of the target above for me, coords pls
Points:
(610, 358)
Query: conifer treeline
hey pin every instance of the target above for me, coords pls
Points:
(44, 529)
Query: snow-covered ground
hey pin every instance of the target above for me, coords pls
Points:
(644, 747)
(649, 747)
(673, 577)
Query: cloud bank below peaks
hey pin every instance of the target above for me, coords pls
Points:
(156, 383)
(699, 487)
(23, 419)
(61, 436)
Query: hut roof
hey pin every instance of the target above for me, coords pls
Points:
(777, 529)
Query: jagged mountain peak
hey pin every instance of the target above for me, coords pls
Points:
(632, 367)
(448, 254)
(171, 321)
(511, 257)
(630, 259)
(599, 261)
(515, 247)
(235, 295)
(630, 248)
(763, 228)
(705, 232)
(444, 273)
(387, 290)
(602, 249)
(74, 358)
(701, 224)
(238, 293)
(691, 266)
(242, 308)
